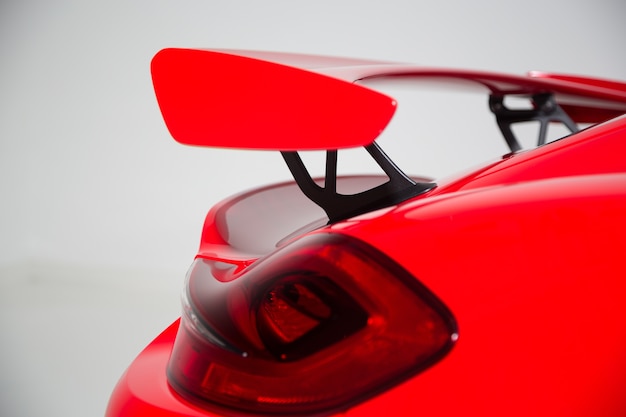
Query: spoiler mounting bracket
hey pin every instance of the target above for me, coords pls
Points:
(545, 110)
(400, 187)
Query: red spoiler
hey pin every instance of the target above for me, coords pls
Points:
(288, 102)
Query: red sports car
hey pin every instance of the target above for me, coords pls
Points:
(498, 291)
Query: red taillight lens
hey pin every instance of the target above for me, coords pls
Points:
(318, 326)
(303, 313)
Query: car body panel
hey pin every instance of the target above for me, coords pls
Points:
(536, 285)
(134, 397)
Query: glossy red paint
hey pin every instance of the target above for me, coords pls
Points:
(215, 99)
(526, 253)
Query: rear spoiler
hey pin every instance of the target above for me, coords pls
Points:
(292, 102)
(288, 102)
(601, 99)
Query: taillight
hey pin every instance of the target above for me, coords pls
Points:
(318, 326)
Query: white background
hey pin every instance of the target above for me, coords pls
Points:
(101, 211)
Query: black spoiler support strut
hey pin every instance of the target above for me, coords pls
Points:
(545, 110)
(338, 206)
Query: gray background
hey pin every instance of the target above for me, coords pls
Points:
(101, 211)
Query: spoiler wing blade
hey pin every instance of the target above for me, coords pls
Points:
(211, 98)
(609, 96)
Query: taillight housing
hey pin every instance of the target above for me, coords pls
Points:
(320, 325)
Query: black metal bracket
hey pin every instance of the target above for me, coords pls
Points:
(545, 110)
(337, 206)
